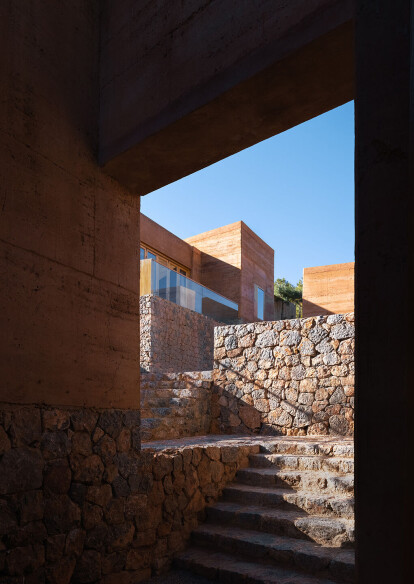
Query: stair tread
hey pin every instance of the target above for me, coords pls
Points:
(343, 448)
(288, 491)
(276, 512)
(279, 542)
(219, 564)
(271, 455)
(286, 519)
(281, 471)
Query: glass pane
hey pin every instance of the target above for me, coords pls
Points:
(183, 272)
(176, 287)
(141, 253)
(260, 303)
(151, 256)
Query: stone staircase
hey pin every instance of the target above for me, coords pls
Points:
(287, 518)
(175, 405)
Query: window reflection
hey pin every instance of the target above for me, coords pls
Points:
(176, 287)
(260, 303)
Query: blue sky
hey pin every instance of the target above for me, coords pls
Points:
(295, 190)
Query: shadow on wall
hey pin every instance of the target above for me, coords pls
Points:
(311, 309)
(179, 405)
(232, 415)
(293, 377)
(221, 277)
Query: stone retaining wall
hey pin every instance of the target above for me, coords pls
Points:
(174, 338)
(175, 405)
(70, 481)
(291, 377)
(80, 503)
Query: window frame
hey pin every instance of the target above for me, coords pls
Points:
(165, 260)
(256, 301)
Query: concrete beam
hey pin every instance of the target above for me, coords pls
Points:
(184, 88)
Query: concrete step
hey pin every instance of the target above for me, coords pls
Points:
(342, 448)
(229, 569)
(317, 481)
(301, 462)
(312, 503)
(338, 564)
(328, 531)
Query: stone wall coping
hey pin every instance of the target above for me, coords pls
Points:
(292, 323)
(238, 441)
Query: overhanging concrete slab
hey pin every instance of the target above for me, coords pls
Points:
(183, 91)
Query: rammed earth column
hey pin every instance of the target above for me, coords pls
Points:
(69, 306)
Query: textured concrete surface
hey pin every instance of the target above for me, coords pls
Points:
(69, 235)
(237, 73)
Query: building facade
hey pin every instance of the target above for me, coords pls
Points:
(231, 261)
(328, 289)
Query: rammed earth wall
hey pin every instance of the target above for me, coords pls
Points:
(79, 501)
(293, 377)
(174, 338)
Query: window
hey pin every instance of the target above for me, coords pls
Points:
(259, 301)
(151, 254)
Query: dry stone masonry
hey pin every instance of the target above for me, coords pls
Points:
(79, 501)
(292, 377)
(71, 494)
(174, 338)
(175, 405)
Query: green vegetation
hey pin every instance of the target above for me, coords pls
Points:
(290, 293)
